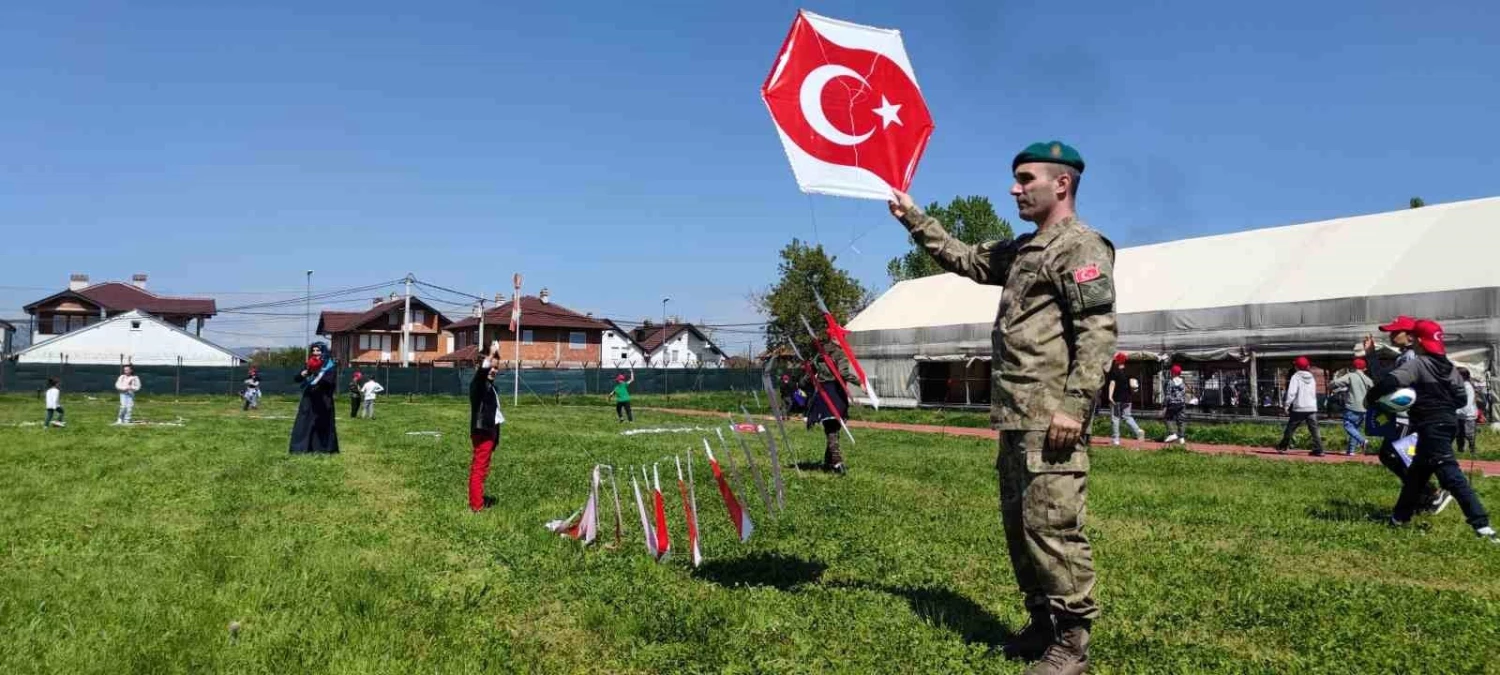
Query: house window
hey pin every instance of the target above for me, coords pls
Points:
(59, 324)
(527, 337)
(423, 343)
(578, 340)
(364, 342)
(418, 316)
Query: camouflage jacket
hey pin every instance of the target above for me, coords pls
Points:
(1054, 332)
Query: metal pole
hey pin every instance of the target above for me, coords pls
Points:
(663, 346)
(479, 344)
(406, 326)
(1254, 387)
(515, 309)
(307, 318)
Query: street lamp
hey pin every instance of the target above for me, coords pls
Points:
(663, 346)
(307, 317)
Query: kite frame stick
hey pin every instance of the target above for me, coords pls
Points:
(615, 490)
(769, 442)
(760, 482)
(812, 374)
(777, 412)
(734, 472)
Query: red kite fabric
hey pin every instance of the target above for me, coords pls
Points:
(846, 104)
(840, 335)
(742, 525)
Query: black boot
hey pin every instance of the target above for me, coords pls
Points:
(1069, 652)
(1034, 638)
(833, 460)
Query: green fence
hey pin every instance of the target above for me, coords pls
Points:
(545, 383)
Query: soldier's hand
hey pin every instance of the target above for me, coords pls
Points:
(900, 204)
(1064, 432)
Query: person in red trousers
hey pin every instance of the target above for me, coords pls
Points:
(485, 419)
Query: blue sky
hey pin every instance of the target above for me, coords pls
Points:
(618, 152)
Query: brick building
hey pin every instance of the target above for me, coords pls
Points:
(551, 335)
(374, 335)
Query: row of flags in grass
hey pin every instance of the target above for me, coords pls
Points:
(651, 504)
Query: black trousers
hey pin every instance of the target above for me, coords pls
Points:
(1435, 458)
(622, 411)
(354, 406)
(1308, 418)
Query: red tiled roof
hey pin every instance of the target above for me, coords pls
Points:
(469, 353)
(115, 296)
(331, 322)
(534, 313)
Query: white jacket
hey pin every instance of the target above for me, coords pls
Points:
(127, 384)
(370, 389)
(1470, 410)
(1302, 392)
(54, 398)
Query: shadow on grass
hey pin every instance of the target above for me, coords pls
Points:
(947, 609)
(762, 569)
(809, 466)
(1345, 511)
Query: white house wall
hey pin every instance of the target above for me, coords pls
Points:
(613, 345)
(692, 352)
(115, 342)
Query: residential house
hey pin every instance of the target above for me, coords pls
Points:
(619, 349)
(677, 345)
(551, 335)
(136, 338)
(83, 304)
(374, 335)
(7, 335)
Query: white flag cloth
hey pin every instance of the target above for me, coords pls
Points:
(583, 525)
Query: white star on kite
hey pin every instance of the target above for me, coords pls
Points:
(887, 112)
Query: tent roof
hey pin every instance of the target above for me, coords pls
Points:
(1395, 253)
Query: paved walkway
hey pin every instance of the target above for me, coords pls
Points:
(1488, 468)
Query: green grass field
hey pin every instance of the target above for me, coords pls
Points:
(133, 549)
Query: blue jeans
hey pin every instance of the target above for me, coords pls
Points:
(1352, 422)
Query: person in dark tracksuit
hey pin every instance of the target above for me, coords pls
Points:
(485, 419)
(356, 394)
(1434, 415)
(1397, 425)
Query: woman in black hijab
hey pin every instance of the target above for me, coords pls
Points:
(314, 431)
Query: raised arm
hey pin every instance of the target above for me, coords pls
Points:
(986, 263)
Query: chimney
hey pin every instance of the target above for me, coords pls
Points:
(78, 282)
(589, 314)
(545, 296)
(499, 299)
(139, 281)
(376, 300)
(393, 295)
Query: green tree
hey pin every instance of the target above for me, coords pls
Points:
(971, 219)
(283, 357)
(802, 268)
(1417, 203)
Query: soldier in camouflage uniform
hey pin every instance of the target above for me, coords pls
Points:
(1053, 337)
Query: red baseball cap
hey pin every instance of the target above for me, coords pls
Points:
(1400, 324)
(1302, 363)
(1359, 364)
(620, 377)
(1429, 334)
(1120, 357)
(1176, 369)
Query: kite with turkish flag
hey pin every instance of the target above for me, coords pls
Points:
(846, 104)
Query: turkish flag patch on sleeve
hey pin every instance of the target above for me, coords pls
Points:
(1086, 274)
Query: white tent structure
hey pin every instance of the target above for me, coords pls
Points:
(1313, 289)
(135, 338)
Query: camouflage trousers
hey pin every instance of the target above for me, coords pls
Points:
(1043, 497)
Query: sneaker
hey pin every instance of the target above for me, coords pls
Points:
(1140, 435)
(1316, 453)
(1487, 533)
(1182, 441)
(1114, 441)
(1171, 438)
(1444, 498)
(1280, 450)
(59, 424)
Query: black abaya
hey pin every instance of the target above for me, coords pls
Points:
(314, 430)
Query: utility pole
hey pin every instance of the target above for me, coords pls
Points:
(479, 346)
(515, 319)
(406, 326)
(307, 317)
(662, 348)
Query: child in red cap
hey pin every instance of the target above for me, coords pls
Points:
(1434, 415)
(621, 396)
(1398, 424)
(1354, 384)
(1119, 392)
(1301, 404)
(1175, 397)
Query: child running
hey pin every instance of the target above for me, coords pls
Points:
(54, 403)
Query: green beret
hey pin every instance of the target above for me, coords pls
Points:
(1050, 152)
